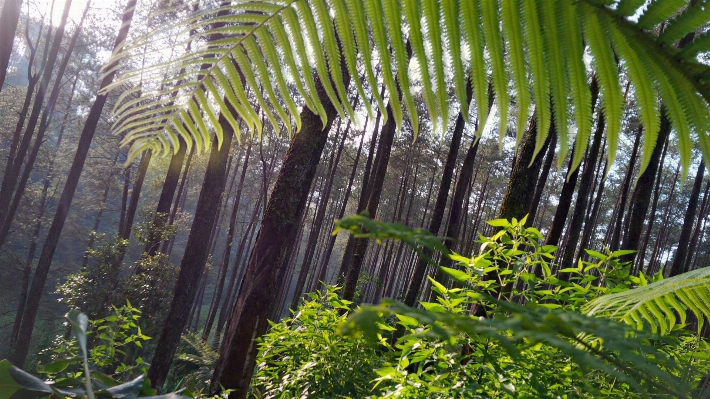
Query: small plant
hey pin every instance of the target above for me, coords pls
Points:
(304, 356)
(84, 382)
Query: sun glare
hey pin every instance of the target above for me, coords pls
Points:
(43, 8)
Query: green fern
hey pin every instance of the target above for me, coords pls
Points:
(259, 60)
(659, 304)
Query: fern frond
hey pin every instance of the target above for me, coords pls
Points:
(254, 63)
(688, 21)
(577, 74)
(494, 42)
(512, 25)
(659, 11)
(555, 54)
(470, 19)
(660, 305)
(536, 56)
(607, 76)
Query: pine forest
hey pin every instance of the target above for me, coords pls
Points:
(354, 199)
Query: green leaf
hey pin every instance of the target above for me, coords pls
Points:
(8, 385)
(459, 275)
(29, 382)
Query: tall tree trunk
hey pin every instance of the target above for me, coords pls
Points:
(45, 120)
(652, 215)
(679, 260)
(237, 272)
(542, 180)
(264, 275)
(698, 227)
(179, 197)
(318, 221)
(583, 193)
(8, 25)
(14, 166)
(442, 196)
(651, 269)
(195, 256)
(378, 178)
(521, 186)
(348, 191)
(21, 346)
(620, 213)
(364, 195)
(644, 188)
(160, 219)
(228, 247)
(563, 204)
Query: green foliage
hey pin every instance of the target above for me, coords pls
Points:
(72, 375)
(147, 284)
(110, 342)
(256, 47)
(534, 343)
(194, 364)
(304, 356)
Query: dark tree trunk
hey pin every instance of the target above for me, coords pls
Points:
(590, 224)
(228, 247)
(563, 205)
(8, 25)
(652, 215)
(644, 188)
(663, 227)
(179, 197)
(698, 227)
(14, 166)
(21, 346)
(679, 260)
(521, 186)
(264, 276)
(442, 196)
(364, 195)
(383, 153)
(167, 194)
(542, 180)
(583, 193)
(195, 256)
(318, 222)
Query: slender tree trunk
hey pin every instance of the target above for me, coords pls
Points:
(383, 151)
(21, 346)
(318, 222)
(14, 166)
(521, 186)
(8, 25)
(563, 205)
(348, 191)
(167, 194)
(264, 275)
(442, 196)
(583, 193)
(364, 194)
(679, 260)
(237, 272)
(698, 227)
(652, 215)
(540, 185)
(228, 247)
(179, 197)
(195, 256)
(644, 188)
(663, 227)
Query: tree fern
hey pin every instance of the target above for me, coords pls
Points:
(260, 59)
(659, 304)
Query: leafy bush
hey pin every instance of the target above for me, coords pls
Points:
(533, 342)
(304, 356)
